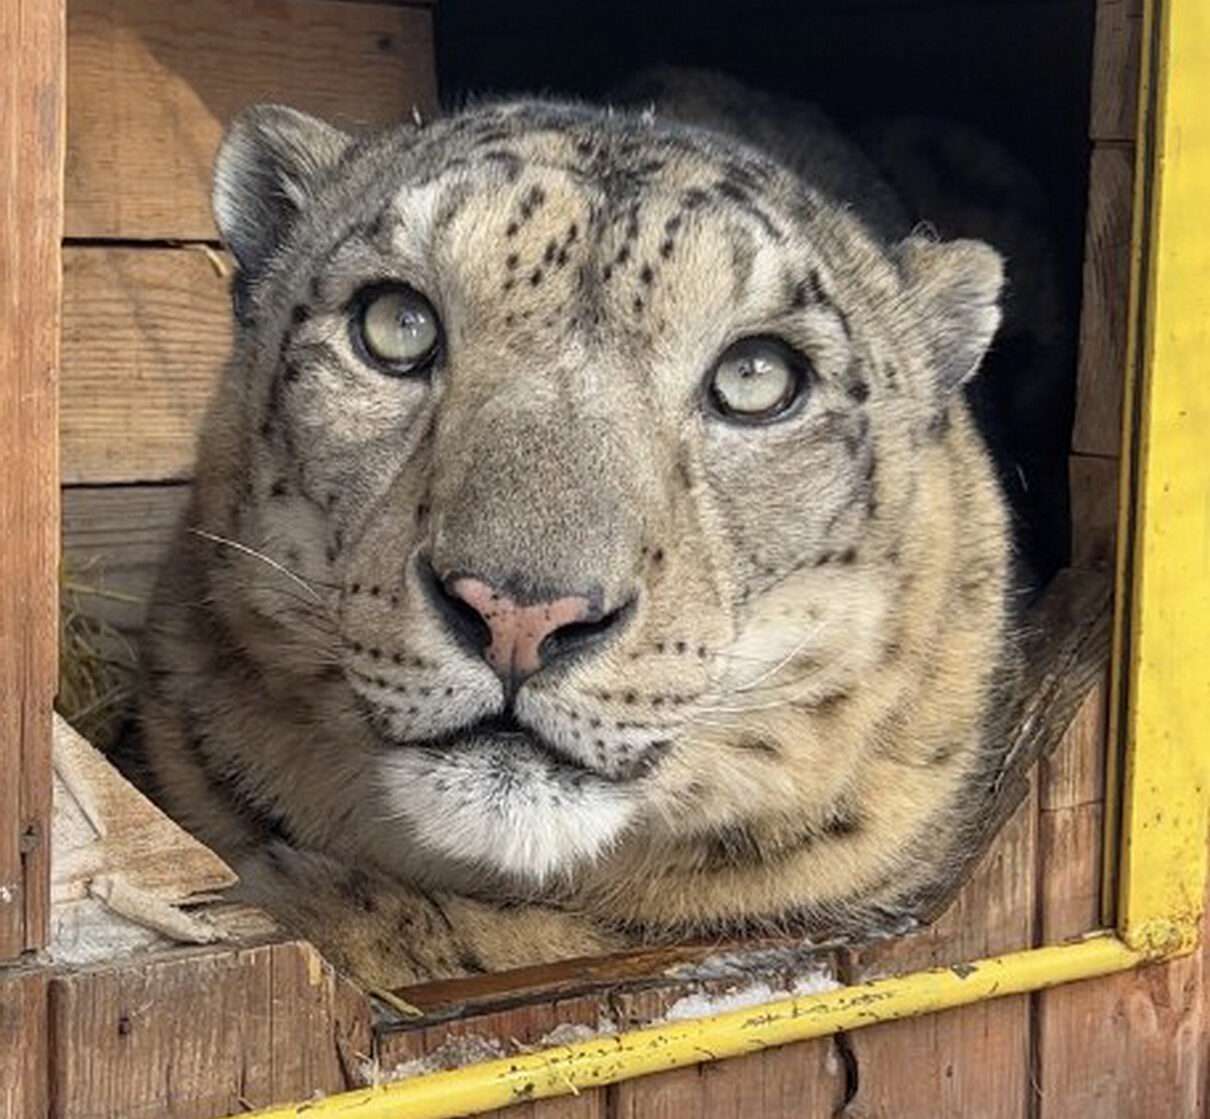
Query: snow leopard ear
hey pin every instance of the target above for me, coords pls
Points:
(956, 287)
(267, 167)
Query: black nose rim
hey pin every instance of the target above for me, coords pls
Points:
(576, 638)
(461, 619)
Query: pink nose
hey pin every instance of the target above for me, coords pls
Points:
(517, 631)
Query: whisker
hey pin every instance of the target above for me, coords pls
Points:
(280, 567)
(776, 668)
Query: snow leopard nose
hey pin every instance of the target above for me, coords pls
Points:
(517, 639)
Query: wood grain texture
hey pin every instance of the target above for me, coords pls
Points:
(200, 1033)
(974, 1060)
(145, 335)
(31, 168)
(801, 1081)
(1131, 1046)
(1113, 110)
(1094, 511)
(23, 1045)
(153, 84)
(1071, 809)
(113, 541)
(1103, 317)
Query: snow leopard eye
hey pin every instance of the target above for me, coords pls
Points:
(396, 328)
(757, 379)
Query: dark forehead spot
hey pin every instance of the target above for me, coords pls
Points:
(508, 161)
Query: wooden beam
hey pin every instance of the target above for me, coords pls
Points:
(31, 185)
(1101, 370)
(1113, 111)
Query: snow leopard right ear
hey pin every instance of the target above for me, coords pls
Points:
(267, 167)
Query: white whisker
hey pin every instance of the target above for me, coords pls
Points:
(280, 567)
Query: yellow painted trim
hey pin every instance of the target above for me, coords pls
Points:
(569, 1069)
(1119, 657)
(1165, 806)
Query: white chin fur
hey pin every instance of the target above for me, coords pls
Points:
(504, 809)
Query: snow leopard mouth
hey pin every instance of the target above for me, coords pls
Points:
(504, 731)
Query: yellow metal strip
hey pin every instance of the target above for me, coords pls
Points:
(1139, 257)
(569, 1069)
(1167, 711)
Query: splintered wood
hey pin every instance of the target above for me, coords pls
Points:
(121, 867)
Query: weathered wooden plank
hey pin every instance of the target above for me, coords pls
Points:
(113, 541)
(1104, 312)
(1132, 1045)
(1113, 110)
(974, 1060)
(23, 1045)
(1070, 825)
(152, 84)
(200, 1033)
(1094, 511)
(31, 170)
(145, 334)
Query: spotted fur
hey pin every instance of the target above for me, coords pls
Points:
(792, 724)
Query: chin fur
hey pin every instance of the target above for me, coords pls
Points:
(504, 809)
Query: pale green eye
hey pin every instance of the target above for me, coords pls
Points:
(399, 328)
(757, 379)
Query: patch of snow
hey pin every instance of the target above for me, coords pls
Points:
(704, 1005)
(457, 1052)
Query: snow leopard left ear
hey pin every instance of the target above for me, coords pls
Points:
(955, 287)
(266, 170)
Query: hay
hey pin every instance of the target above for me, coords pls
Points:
(96, 660)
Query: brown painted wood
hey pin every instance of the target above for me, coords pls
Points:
(1103, 317)
(152, 84)
(23, 1046)
(1113, 111)
(201, 1033)
(145, 335)
(974, 1060)
(1094, 510)
(31, 169)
